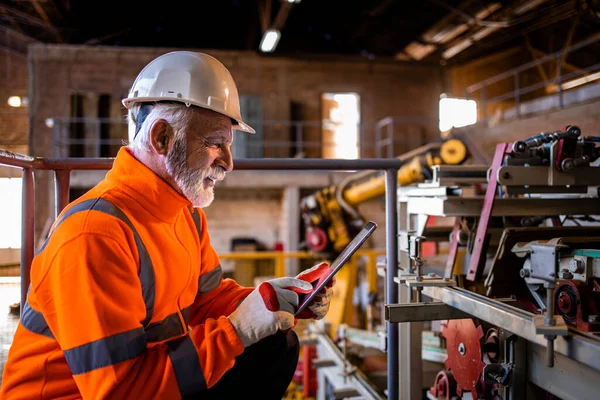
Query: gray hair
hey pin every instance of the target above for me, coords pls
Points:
(177, 115)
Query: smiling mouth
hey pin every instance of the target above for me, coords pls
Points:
(210, 181)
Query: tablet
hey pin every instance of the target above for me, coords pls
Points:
(336, 265)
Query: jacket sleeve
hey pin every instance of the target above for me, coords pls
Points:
(90, 296)
(216, 297)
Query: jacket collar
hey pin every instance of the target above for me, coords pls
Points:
(141, 183)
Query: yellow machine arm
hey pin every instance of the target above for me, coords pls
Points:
(330, 215)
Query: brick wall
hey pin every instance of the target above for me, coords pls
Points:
(14, 122)
(385, 89)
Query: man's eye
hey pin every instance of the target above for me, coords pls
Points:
(211, 144)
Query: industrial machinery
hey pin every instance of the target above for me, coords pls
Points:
(515, 297)
(330, 215)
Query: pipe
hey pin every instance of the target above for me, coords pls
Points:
(16, 160)
(391, 224)
(27, 232)
(315, 164)
(61, 190)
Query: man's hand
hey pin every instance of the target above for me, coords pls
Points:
(320, 305)
(269, 308)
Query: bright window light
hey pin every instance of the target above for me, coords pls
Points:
(269, 40)
(10, 213)
(15, 101)
(344, 121)
(456, 113)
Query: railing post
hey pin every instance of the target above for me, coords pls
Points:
(361, 140)
(391, 225)
(61, 190)
(517, 94)
(299, 137)
(98, 139)
(390, 131)
(279, 265)
(559, 81)
(483, 105)
(27, 232)
(56, 138)
(65, 129)
(378, 141)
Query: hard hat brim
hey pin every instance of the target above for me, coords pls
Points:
(238, 125)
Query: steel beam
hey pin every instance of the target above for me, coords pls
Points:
(568, 379)
(414, 312)
(578, 346)
(505, 207)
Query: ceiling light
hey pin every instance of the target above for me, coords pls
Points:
(293, 1)
(269, 40)
(581, 81)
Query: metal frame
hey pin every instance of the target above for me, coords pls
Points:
(576, 356)
(514, 73)
(63, 166)
(331, 360)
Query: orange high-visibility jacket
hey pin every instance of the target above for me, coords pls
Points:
(127, 299)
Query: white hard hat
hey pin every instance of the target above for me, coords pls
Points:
(190, 78)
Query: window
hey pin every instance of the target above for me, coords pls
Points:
(245, 145)
(341, 119)
(455, 113)
(10, 214)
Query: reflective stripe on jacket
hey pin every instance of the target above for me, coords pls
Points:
(126, 299)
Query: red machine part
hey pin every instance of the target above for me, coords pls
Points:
(463, 343)
(309, 373)
(578, 304)
(316, 239)
(444, 386)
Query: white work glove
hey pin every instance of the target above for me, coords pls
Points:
(269, 308)
(320, 305)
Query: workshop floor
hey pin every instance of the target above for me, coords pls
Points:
(9, 294)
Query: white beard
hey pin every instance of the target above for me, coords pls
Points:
(192, 186)
(191, 182)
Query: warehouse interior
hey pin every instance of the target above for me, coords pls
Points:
(467, 130)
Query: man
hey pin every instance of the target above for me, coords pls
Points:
(127, 299)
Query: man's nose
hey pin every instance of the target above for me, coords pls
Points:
(225, 160)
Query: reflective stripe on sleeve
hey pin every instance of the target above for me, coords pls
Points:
(146, 274)
(107, 351)
(186, 365)
(35, 322)
(209, 281)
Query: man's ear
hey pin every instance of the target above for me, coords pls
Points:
(161, 136)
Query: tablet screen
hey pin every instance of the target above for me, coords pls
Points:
(339, 262)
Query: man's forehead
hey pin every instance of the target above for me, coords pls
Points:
(208, 122)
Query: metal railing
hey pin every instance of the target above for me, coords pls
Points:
(63, 166)
(519, 91)
(415, 134)
(91, 143)
(279, 257)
